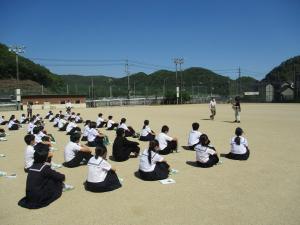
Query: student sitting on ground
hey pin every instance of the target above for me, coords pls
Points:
(29, 151)
(101, 176)
(72, 127)
(100, 121)
(51, 117)
(3, 121)
(86, 130)
(56, 120)
(62, 124)
(78, 118)
(147, 134)
(167, 144)
(194, 136)
(30, 126)
(95, 138)
(2, 133)
(75, 153)
(129, 131)
(111, 125)
(48, 115)
(23, 119)
(122, 148)
(206, 155)
(239, 146)
(152, 165)
(43, 185)
(13, 124)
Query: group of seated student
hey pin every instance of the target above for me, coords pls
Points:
(122, 147)
(147, 134)
(206, 154)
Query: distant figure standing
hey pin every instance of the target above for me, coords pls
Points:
(212, 107)
(29, 110)
(237, 109)
(68, 106)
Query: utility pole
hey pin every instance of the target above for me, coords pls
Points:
(178, 61)
(134, 89)
(181, 61)
(92, 88)
(239, 81)
(67, 89)
(17, 50)
(128, 82)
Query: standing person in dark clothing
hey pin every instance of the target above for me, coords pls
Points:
(237, 109)
(122, 148)
(29, 109)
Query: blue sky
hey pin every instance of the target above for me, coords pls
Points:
(91, 36)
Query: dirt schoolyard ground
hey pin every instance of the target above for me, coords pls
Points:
(263, 190)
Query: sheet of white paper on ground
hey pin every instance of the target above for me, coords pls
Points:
(13, 175)
(167, 181)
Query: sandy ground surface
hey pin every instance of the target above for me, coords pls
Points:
(263, 190)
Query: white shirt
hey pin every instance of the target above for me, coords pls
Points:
(123, 126)
(239, 149)
(51, 117)
(68, 105)
(61, 123)
(99, 121)
(194, 137)
(29, 151)
(212, 104)
(38, 137)
(93, 133)
(56, 120)
(70, 150)
(86, 130)
(77, 118)
(22, 119)
(70, 126)
(203, 152)
(30, 127)
(162, 140)
(11, 122)
(110, 123)
(97, 169)
(144, 163)
(146, 131)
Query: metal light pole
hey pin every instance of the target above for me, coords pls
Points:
(128, 82)
(181, 61)
(17, 50)
(164, 88)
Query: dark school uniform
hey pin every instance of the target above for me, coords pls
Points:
(123, 147)
(43, 186)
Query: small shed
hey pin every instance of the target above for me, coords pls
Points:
(53, 101)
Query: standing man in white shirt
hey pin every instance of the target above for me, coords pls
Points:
(212, 107)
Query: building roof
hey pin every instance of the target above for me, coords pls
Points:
(53, 96)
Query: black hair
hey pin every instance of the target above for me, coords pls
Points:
(238, 133)
(237, 98)
(87, 122)
(45, 138)
(75, 137)
(195, 126)
(12, 117)
(61, 116)
(152, 145)
(165, 129)
(36, 130)
(23, 114)
(56, 115)
(29, 138)
(41, 153)
(123, 120)
(93, 124)
(72, 119)
(204, 141)
(31, 120)
(100, 151)
(100, 114)
(120, 132)
(146, 123)
(110, 117)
